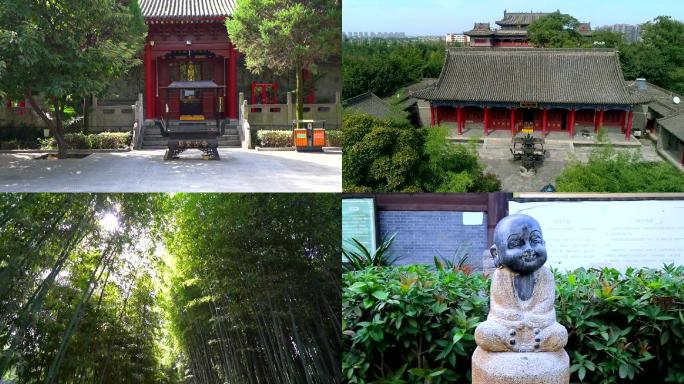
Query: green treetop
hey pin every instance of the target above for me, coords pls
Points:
(286, 35)
(58, 51)
(556, 30)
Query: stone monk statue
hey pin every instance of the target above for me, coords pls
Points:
(520, 341)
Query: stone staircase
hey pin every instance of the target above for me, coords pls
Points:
(153, 139)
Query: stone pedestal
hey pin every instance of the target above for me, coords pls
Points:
(520, 367)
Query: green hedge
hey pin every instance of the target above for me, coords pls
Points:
(19, 137)
(274, 139)
(333, 138)
(414, 325)
(104, 140)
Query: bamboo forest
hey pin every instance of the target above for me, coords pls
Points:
(159, 288)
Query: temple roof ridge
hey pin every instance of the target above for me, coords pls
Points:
(558, 75)
(176, 9)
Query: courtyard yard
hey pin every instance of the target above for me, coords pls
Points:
(238, 170)
(495, 154)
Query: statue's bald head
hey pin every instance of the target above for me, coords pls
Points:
(518, 244)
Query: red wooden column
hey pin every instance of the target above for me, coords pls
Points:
(599, 123)
(629, 126)
(571, 123)
(438, 117)
(486, 121)
(232, 108)
(545, 121)
(459, 119)
(149, 83)
(513, 121)
(623, 120)
(432, 115)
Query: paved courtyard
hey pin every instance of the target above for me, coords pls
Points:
(495, 154)
(239, 170)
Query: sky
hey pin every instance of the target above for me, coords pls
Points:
(438, 17)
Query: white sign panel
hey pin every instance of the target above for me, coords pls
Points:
(617, 234)
(473, 218)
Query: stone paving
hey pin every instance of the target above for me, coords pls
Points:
(239, 170)
(495, 154)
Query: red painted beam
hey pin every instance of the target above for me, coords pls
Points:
(571, 123)
(432, 115)
(600, 121)
(459, 119)
(513, 121)
(232, 85)
(149, 84)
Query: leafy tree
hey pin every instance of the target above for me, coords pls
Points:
(555, 30)
(606, 39)
(253, 287)
(286, 35)
(383, 67)
(381, 156)
(56, 52)
(74, 306)
(662, 57)
(247, 292)
(393, 156)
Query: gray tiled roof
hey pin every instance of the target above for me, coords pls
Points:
(166, 9)
(368, 103)
(674, 124)
(408, 101)
(586, 76)
(520, 18)
(660, 99)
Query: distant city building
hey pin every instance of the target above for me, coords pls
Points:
(632, 33)
(513, 31)
(374, 35)
(457, 38)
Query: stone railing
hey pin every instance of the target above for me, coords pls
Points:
(280, 116)
(243, 128)
(114, 117)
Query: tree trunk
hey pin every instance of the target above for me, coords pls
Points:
(59, 129)
(86, 113)
(299, 114)
(55, 125)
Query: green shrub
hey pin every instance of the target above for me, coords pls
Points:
(20, 136)
(407, 323)
(104, 140)
(11, 144)
(393, 156)
(109, 140)
(402, 324)
(609, 170)
(381, 155)
(274, 139)
(333, 138)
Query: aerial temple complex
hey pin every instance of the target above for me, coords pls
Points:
(532, 89)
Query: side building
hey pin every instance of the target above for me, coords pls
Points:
(512, 31)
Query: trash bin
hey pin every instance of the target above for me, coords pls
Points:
(310, 137)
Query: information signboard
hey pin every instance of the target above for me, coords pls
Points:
(617, 234)
(358, 222)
